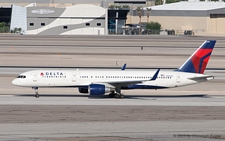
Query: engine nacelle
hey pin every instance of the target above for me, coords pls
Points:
(98, 89)
(83, 89)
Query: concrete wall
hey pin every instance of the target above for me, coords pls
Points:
(200, 25)
(178, 23)
(200, 21)
(216, 25)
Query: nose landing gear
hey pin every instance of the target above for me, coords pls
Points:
(36, 92)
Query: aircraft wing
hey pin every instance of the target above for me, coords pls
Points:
(129, 82)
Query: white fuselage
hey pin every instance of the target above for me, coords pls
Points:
(77, 78)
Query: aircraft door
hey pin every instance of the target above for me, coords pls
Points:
(178, 78)
(35, 77)
(75, 77)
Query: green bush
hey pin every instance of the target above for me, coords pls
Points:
(16, 30)
(153, 26)
(119, 6)
(4, 28)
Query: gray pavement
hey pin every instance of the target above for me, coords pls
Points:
(191, 100)
(113, 41)
(104, 51)
(140, 130)
(111, 122)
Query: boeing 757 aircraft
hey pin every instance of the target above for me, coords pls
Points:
(98, 82)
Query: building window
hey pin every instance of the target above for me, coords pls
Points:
(42, 24)
(87, 24)
(31, 24)
(99, 24)
(65, 27)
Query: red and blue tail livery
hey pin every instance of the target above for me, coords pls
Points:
(199, 59)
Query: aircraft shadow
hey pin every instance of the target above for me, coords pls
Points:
(52, 95)
(126, 96)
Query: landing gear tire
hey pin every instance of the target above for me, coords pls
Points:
(111, 95)
(118, 93)
(119, 96)
(37, 95)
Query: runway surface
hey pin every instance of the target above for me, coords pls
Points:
(145, 130)
(195, 112)
(135, 118)
(104, 51)
(188, 100)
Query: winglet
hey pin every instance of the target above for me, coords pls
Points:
(124, 67)
(155, 75)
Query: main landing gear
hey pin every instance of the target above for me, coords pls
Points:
(116, 95)
(36, 92)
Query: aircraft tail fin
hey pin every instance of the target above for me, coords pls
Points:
(198, 61)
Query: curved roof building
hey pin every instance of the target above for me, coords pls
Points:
(203, 18)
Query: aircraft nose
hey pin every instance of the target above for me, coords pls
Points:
(15, 82)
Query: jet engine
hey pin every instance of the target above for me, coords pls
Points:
(98, 89)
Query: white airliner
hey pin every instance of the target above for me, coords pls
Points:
(98, 82)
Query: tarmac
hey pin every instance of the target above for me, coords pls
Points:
(195, 112)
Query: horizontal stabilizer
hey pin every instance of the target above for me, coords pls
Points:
(202, 78)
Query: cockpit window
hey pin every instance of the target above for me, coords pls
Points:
(21, 76)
